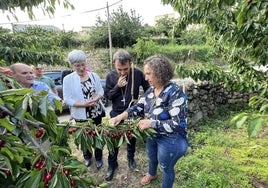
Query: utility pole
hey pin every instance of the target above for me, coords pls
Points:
(110, 38)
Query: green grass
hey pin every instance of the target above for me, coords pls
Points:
(222, 156)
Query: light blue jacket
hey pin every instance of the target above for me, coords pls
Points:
(41, 86)
(72, 92)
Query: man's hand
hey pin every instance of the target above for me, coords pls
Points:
(122, 81)
(114, 121)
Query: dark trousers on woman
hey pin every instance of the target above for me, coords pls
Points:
(97, 152)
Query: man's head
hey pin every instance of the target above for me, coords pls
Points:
(23, 74)
(38, 70)
(122, 62)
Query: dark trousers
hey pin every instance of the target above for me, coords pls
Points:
(131, 148)
(97, 152)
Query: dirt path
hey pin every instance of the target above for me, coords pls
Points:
(123, 177)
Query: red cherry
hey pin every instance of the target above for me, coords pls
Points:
(2, 143)
(7, 172)
(47, 176)
(37, 165)
(42, 165)
(39, 133)
(73, 182)
(72, 130)
(66, 172)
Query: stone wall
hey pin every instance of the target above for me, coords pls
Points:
(205, 98)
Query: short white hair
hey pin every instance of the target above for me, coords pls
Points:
(76, 56)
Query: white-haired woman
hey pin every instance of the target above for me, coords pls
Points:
(82, 91)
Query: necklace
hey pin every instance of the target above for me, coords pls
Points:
(124, 93)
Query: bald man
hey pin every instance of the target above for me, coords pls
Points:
(24, 75)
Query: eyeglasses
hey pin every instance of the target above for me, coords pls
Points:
(37, 68)
(79, 65)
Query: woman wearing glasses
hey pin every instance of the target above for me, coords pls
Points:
(82, 91)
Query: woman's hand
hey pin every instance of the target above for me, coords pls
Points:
(90, 103)
(144, 124)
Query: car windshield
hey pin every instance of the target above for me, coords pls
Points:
(56, 76)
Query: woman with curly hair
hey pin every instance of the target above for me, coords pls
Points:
(163, 107)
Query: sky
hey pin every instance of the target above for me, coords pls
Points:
(86, 11)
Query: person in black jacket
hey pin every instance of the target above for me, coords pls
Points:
(122, 87)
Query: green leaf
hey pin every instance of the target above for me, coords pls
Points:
(57, 104)
(43, 106)
(19, 111)
(103, 185)
(254, 126)
(241, 121)
(6, 151)
(56, 149)
(264, 108)
(21, 181)
(25, 102)
(34, 180)
(63, 181)
(121, 141)
(16, 92)
(74, 165)
(237, 117)
(54, 181)
(125, 135)
(7, 124)
(19, 158)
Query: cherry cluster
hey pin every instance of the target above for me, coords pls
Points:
(112, 134)
(48, 175)
(40, 163)
(91, 132)
(119, 134)
(40, 133)
(72, 130)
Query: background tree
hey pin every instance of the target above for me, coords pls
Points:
(35, 45)
(239, 31)
(166, 27)
(47, 6)
(125, 29)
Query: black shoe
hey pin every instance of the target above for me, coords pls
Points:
(131, 163)
(110, 173)
(99, 164)
(87, 162)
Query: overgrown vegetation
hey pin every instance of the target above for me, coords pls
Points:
(36, 45)
(221, 155)
(238, 30)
